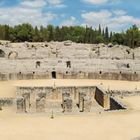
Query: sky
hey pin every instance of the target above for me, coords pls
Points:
(118, 15)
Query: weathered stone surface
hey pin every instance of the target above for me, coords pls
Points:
(85, 102)
(39, 60)
(66, 102)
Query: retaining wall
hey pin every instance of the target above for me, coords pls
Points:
(74, 75)
(102, 98)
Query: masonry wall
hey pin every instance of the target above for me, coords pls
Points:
(102, 98)
(74, 75)
(6, 101)
(76, 61)
(41, 99)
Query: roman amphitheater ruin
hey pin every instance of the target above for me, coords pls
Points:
(67, 60)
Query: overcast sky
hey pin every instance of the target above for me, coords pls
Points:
(116, 14)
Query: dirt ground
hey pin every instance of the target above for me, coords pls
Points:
(116, 125)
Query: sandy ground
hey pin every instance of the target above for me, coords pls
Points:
(106, 126)
(120, 125)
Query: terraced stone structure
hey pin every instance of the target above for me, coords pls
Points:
(68, 60)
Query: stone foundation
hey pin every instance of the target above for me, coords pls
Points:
(63, 99)
(94, 75)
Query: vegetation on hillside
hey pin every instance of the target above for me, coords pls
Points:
(78, 34)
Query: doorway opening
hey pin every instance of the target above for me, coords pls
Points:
(68, 63)
(54, 74)
(2, 53)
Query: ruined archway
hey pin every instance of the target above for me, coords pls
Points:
(2, 53)
(12, 55)
(68, 63)
(38, 63)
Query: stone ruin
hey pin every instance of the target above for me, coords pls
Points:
(85, 102)
(68, 99)
(68, 60)
(66, 102)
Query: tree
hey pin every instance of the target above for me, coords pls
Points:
(24, 32)
(99, 39)
(100, 30)
(106, 35)
(57, 34)
(50, 30)
(44, 35)
(133, 36)
(36, 36)
(118, 38)
(79, 34)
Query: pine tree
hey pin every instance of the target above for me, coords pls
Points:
(111, 35)
(106, 35)
(100, 30)
(50, 29)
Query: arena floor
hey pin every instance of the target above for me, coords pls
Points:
(115, 125)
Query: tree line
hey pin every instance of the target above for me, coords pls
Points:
(78, 34)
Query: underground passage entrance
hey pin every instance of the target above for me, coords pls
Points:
(2, 53)
(54, 74)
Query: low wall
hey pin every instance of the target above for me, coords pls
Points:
(123, 93)
(74, 75)
(6, 101)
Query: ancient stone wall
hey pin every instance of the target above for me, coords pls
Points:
(72, 75)
(6, 101)
(57, 60)
(102, 98)
(63, 99)
(124, 93)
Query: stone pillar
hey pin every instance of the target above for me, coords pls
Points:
(33, 100)
(21, 107)
(106, 104)
(87, 103)
(40, 104)
(27, 104)
(74, 92)
(81, 102)
(84, 102)
(66, 102)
